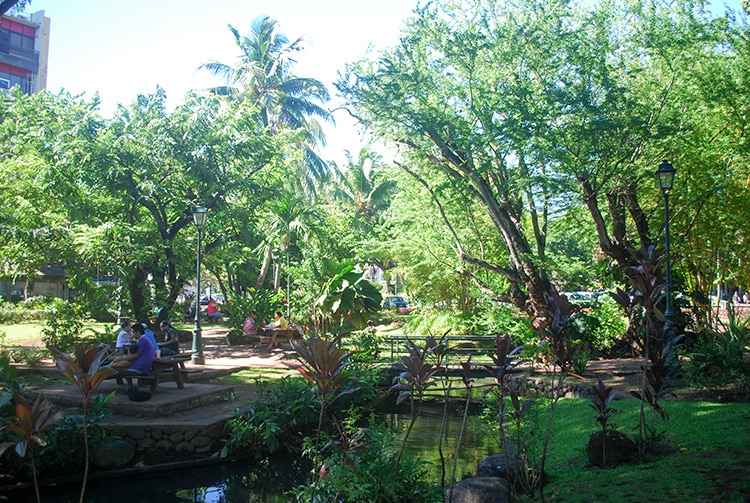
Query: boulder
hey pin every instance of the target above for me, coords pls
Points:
(494, 466)
(478, 490)
(113, 453)
(611, 447)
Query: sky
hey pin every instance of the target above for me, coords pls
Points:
(122, 48)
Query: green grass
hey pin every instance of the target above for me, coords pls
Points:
(704, 455)
(22, 333)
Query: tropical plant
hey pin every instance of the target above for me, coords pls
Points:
(263, 78)
(348, 297)
(504, 361)
(30, 424)
(63, 328)
(656, 336)
(84, 369)
(418, 372)
(323, 365)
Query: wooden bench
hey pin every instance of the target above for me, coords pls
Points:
(167, 368)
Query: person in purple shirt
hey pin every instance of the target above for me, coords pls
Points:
(141, 360)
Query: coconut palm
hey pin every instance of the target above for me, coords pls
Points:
(263, 77)
(289, 217)
(359, 184)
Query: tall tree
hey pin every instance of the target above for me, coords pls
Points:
(263, 77)
(527, 107)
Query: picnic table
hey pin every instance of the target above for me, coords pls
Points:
(273, 336)
(164, 369)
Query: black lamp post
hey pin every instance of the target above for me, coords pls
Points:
(199, 219)
(665, 174)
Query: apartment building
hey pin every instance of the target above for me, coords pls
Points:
(24, 49)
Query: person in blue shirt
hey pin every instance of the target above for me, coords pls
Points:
(142, 359)
(150, 334)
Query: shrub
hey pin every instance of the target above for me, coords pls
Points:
(715, 359)
(276, 419)
(363, 471)
(63, 327)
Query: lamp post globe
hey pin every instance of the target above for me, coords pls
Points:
(665, 174)
(199, 219)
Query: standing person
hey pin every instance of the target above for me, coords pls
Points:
(124, 337)
(171, 344)
(142, 359)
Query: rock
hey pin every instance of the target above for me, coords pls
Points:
(611, 447)
(494, 466)
(113, 453)
(478, 490)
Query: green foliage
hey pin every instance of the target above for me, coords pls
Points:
(347, 297)
(275, 420)
(8, 385)
(63, 327)
(601, 324)
(715, 360)
(64, 452)
(263, 302)
(363, 472)
(33, 309)
(436, 321)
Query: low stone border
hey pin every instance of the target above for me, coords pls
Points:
(201, 439)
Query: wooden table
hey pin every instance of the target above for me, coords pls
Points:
(175, 363)
(278, 335)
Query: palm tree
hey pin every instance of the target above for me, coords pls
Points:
(263, 77)
(360, 184)
(289, 217)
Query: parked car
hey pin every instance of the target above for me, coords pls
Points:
(395, 302)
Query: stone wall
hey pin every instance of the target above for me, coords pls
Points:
(178, 438)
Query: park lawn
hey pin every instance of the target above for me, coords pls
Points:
(29, 334)
(704, 453)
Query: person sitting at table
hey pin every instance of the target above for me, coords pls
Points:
(171, 344)
(141, 360)
(278, 322)
(248, 328)
(149, 333)
(124, 337)
(212, 312)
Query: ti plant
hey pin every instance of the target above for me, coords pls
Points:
(419, 372)
(601, 398)
(504, 361)
(30, 424)
(323, 365)
(84, 369)
(558, 333)
(653, 333)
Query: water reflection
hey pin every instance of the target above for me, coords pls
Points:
(267, 481)
(479, 440)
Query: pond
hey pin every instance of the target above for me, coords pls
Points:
(267, 480)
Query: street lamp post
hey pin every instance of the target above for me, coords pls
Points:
(665, 174)
(199, 219)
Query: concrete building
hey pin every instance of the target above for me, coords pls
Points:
(24, 50)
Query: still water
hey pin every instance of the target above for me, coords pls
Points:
(267, 481)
